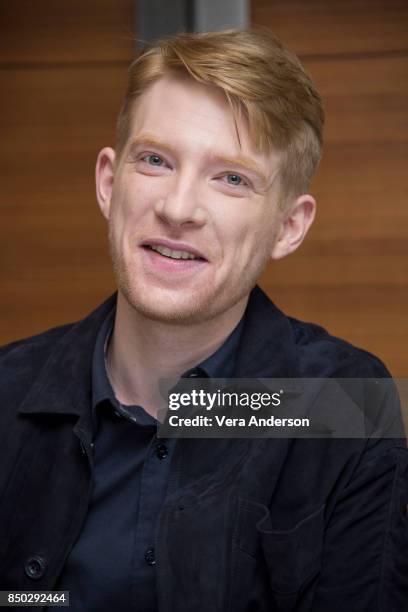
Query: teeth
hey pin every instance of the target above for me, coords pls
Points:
(173, 254)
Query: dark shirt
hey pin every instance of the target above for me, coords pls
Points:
(112, 565)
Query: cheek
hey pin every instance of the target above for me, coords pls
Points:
(130, 205)
(249, 232)
(255, 244)
(231, 220)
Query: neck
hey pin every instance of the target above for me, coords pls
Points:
(143, 351)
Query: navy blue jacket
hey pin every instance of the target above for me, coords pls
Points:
(248, 525)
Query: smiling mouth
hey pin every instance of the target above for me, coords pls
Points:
(172, 254)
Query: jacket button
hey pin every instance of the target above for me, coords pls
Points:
(35, 567)
(161, 451)
(149, 557)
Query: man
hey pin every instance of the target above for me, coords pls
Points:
(218, 139)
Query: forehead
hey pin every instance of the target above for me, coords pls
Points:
(185, 101)
(182, 95)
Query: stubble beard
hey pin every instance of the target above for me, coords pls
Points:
(201, 307)
(140, 299)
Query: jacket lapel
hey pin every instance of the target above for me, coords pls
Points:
(268, 347)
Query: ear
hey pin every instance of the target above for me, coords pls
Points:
(294, 226)
(104, 175)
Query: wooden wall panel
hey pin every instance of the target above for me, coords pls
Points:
(63, 69)
(321, 27)
(50, 31)
(351, 274)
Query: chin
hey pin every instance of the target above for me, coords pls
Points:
(157, 303)
(177, 307)
(162, 307)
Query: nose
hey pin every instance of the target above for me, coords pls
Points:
(181, 203)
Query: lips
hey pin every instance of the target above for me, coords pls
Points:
(162, 250)
(173, 249)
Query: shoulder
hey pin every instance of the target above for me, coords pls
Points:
(275, 345)
(321, 354)
(22, 362)
(33, 345)
(38, 347)
(34, 349)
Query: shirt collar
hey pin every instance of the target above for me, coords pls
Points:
(220, 364)
(101, 387)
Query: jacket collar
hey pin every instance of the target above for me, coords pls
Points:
(64, 384)
(267, 349)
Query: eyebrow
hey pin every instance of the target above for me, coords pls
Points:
(148, 140)
(243, 162)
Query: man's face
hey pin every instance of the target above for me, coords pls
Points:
(193, 216)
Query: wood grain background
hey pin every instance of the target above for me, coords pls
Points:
(351, 274)
(63, 73)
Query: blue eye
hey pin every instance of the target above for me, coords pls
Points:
(154, 160)
(234, 179)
